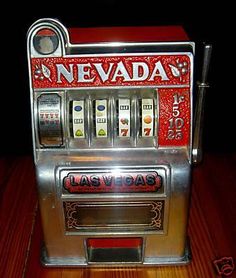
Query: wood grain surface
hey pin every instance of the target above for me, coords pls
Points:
(212, 224)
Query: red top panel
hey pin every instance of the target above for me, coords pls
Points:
(127, 34)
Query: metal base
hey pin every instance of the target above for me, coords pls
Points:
(81, 262)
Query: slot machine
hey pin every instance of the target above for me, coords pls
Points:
(113, 141)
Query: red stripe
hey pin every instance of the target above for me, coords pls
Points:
(114, 242)
(127, 34)
(45, 32)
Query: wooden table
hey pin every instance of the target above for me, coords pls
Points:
(212, 224)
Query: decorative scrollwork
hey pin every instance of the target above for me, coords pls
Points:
(157, 208)
(71, 215)
(154, 221)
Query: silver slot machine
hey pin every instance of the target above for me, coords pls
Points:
(113, 140)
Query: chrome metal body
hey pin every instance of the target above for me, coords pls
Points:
(160, 247)
(199, 112)
(157, 218)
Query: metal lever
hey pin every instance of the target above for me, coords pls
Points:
(199, 112)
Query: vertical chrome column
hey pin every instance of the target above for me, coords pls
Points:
(199, 112)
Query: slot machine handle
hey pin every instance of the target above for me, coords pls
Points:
(199, 111)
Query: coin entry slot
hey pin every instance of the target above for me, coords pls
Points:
(109, 250)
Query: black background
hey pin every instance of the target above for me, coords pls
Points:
(212, 23)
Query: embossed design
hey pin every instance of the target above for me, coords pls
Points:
(121, 70)
(72, 220)
(46, 72)
(175, 71)
(108, 182)
(181, 68)
(43, 72)
(76, 220)
(157, 210)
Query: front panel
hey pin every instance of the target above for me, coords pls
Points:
(112, 128)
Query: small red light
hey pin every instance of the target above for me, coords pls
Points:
(46, 32)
